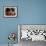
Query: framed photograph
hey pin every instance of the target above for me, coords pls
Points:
(10, 11)
(33, 32)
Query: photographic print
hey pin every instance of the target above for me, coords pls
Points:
(10, 11)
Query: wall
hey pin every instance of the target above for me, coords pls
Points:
(7, 25)
(32, 11)
(29, 12)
